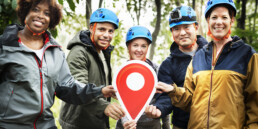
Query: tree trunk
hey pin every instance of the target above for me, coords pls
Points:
(255, 13)
(157, 29)
(100, 3)
(88, 12)
(193, 4)
(241, 20)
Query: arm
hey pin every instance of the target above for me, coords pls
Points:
(182, 96)
(74, 92)
(163, 101)
(251, 94)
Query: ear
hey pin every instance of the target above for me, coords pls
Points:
(208, 19)
(196, 27)
(91, 27)
(232, 21)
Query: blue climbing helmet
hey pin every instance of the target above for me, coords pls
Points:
(138, 32)
(211, 3)
(104, 15)
(182, 15)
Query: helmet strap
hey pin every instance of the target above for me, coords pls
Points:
(33, 33)
(92, 37)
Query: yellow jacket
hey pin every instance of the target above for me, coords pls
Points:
(222, 92)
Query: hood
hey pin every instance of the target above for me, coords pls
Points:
(83, 38)
(175, 52)
(235, 43)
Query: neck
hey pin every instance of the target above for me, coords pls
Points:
(221, 43)
(193, 48)
(29, 35)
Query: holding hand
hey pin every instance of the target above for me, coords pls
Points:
(163, 87)
(114, 111)
(108, 91)
(152, 111)
(130, 125)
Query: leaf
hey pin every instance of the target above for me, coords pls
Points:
(61, 2)
(14, 4)
(54, 32)
(6, 2)
(71, 5)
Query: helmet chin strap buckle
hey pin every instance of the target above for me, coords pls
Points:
(33, 33)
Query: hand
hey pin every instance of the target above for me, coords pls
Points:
(108, 91)
(152, 111)
(130, 125)
(163, 87)
(114, 111)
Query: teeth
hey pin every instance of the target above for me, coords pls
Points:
(218, 28)
(38, 23)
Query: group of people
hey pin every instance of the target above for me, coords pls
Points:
(205, 85)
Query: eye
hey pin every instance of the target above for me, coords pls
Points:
(111, 31)
(101, 29)
(35, 9)
(175, 28)
(187, 26)
(225, 17)
(47, 13)
(213, 17)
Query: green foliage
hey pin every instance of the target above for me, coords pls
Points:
(118, 54)
(7, 13)
(250, 34)
(71, 5)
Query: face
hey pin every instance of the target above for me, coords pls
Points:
(184, 34)
(138, 48)
(219, 22)
(104, 33)
(38, 18)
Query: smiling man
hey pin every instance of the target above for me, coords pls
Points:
(184, 27)
(89, 62)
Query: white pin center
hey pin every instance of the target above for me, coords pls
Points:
(135, 81)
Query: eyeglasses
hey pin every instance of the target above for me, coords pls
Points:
(175, 15)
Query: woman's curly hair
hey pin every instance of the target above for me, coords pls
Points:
(24, 7)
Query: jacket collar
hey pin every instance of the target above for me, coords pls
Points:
(235, 43)
(83, 38)
(10, 37)
(174, 49)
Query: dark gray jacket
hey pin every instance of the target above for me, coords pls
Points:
(28, 85)
(87, 67)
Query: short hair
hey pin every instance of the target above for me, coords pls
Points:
(24, 7)
(230, 10)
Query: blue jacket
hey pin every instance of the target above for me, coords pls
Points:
(173, 70)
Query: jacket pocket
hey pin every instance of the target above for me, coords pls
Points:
(6, 93)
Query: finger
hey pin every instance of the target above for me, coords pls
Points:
(117, 110)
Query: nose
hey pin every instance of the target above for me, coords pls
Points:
(182, 31)
(219, 21)
(41, 14)
(106, 34)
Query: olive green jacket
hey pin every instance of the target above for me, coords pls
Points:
(87, 67)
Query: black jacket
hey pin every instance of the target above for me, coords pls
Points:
(173, 70)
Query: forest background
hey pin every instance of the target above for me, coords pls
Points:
(152, 14)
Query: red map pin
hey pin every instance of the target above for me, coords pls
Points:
(134, 82)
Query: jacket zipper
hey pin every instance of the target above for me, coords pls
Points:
(41, 84)
(41, 91)
(213, 64)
